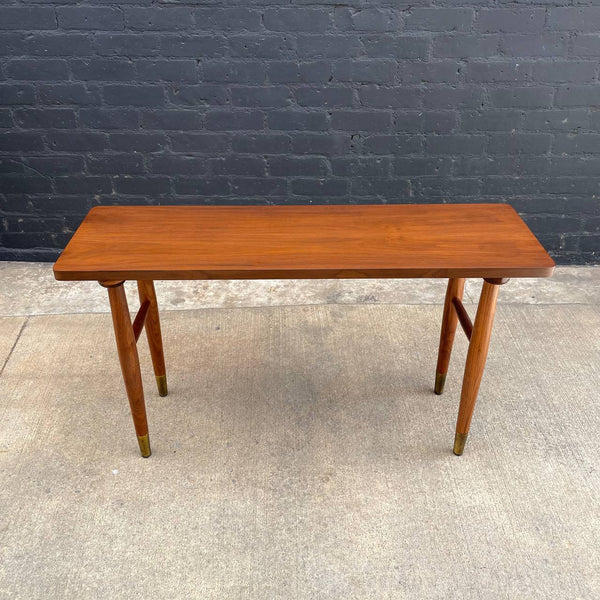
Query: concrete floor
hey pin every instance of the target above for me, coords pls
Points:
(301, 452)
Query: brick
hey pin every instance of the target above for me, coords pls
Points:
(297, 19)
(594, 118)
(444, 187)
(296, 72)
(565, 71)
(133, 95)
(430, 72)
(51, 118)
(453, 97)
(393, 144)
(11, 94)
(572, 18)
(137, 142)
(206, 143)
(455, 144)
(390, 97)
(259, 46)
(491, 120)
(105, 118)
(418, 166)
(68, 93)
(198, 95)
(532, 97)
(102, 69)
(254, 186)
(557, 120)
(205, 186)
(581, 143)
(71, 44)
(517, 20)
(282, 166)
(440, 19)
(27, 17)
(293, 120)
(64, 164)
(586, 45)
(234, 72)
(327, 46)
(238, 165)
(59, 204)
(153, 185)
(178, 165)
(321, 143)
(229, 120)
(438, 122)
(368, 19)
(261, 143)
(491, 72)
(172, 119)
(90, 17)
(37, 69)
(365, 71)
(388, 189)
(228, 19)
(114, 164)
(319, 187)
(19, 184)
(384, 46)
(578, 95)
(10, 165)
(272, 96)
(361, 121)
(173, 18)
(24, 141)
(193, 46)
(87, 184)
(534, 45)
(77, 141)
(329, 96)
(34, 240)
(126, 44)
(22, 224)
(519, 143)
(583, 165)
(166, 70)
(361, 166)
(13, 43)
(6, 120)
(523, 164)
(465, 46)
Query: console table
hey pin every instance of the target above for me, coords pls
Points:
(452, 241)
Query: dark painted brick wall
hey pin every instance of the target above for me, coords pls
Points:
(304, 101)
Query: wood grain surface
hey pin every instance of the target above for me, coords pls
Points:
(303, 242)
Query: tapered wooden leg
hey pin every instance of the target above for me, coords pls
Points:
(449, 321)
(476, 356)
(147, 293)
(130, 364)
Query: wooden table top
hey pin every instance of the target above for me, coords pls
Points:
(304, 242)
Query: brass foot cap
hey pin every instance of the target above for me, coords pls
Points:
(144, 442)
(460, 439)
(161, 382)
(440, 380)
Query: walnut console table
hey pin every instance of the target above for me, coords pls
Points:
(146, 243)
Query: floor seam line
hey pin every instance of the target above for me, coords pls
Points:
(14, 345)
